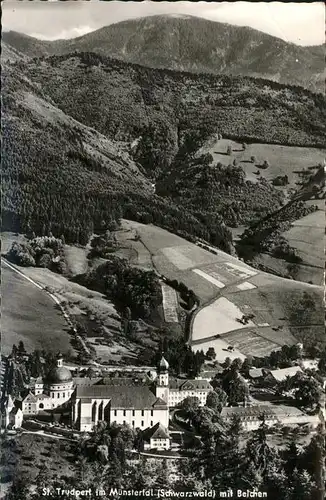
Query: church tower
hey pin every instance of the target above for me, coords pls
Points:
(59, 360)
(162, 382)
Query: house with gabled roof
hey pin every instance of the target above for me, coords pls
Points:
(11, 416)
(156, 438)
(275, 376)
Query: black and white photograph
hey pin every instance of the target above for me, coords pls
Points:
(162, 250)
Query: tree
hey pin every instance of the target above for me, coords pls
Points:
(211, 354)
(42, 478)
(322, 362)
(237, 391)
(308, 392)
(291, 458)
(258, 451)
(216, 399)
(190, 405)
(236, 364)
(14, 351)
(21, 351)
(227, 362)
(276, 483)
(19, 489)
(246, 366)
(266, 164)
(302, 486)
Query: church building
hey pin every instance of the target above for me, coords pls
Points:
(55, 391)
(137, 403)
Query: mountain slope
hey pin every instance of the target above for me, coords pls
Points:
(59, 175)
(290, 242)
(159, 113)
(10, 54)
(123, 101)
(55, 164)
(187, 43)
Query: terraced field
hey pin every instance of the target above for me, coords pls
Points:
(228, 290)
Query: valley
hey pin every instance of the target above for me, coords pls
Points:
(162, 254)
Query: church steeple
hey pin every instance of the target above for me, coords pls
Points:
(163, 366)
(162, 382)
(59, 360)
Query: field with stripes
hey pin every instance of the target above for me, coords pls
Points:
(240, 306)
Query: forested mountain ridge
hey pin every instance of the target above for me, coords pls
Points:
(74, 111)
(158, 107)
(187, 43)
(10, 54)
(61, 176)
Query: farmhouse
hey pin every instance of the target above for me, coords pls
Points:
(252, 416)
(156, 437)
(210, 374)
(275, 376)
(309, 364)
(256, 374)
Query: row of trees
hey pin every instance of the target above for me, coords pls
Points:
(43, 251)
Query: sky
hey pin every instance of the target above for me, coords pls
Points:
(299, 23)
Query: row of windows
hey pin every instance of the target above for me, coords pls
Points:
(124, 412)
(58, 395)
(133, 423)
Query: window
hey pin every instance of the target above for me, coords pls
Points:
(58, 395)
(63, 394)
(142, 413)
(53, 394)
(142, 423)
(133, 423)
(124, 413)
(133, 413)
(152, 413)
(115, 413)
(151, 423)
(124, 422)
(41, 406)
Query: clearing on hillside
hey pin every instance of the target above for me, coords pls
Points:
(28, 314)
(284, 160)
(76, 258)
(306, 236)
